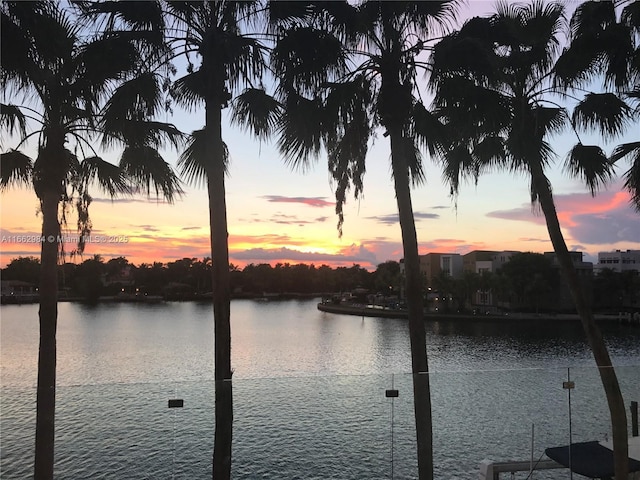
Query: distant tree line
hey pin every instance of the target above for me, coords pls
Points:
(96, 277)
(528, 282)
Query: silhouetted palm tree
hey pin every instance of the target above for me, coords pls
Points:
(494, 83)
(344, 72)
(603, 46)
(77, 87)
(210, 37)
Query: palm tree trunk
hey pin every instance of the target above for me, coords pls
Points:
(46, 387)
(593, 334)
(221, 294)
(417, 333)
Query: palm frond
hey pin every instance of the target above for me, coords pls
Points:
(605, 112)
(347, 101)
(458, 163)
(136, 133)
(631, 16)
(599, 45)
(284, 13)
(548, 120)
(626, 150)
(244, 58)
(618, 46)
(193, 161)
(490, 152)
(16, 170)
(141, 15)
(189, 91)
(579, 63)
(632, 181)
(542, 24)
(630, 151)
(256, 111)
(147, 170)
(13, 120)
(300, 130)
(466, 53)
(346, 161)
(109, 177)
(104, 60)
(140, 97)
(591, 17)
(590, 164)
(18, 63)
(471, 109)
(305, 58)
(429, 131)
(413, 158)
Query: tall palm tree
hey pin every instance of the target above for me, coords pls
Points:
(494, 83)
(344, 72)
(63, 73)
(604, 46)
(211, 38)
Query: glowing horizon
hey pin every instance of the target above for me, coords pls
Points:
(276, 215)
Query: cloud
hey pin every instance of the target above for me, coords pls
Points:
(269, 239)
(191, 228)
(392, 218)
(605, 219)
(154, 200)
(354, 254)
(310, 201)
(283, 219)
(523, 214)
(146, 228)
(617, 226)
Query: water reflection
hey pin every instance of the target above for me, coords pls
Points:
(308, 391)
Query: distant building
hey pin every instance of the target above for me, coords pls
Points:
(619, 260)
(17, 291)
(500, 258)
(432, 265)
(478, 261)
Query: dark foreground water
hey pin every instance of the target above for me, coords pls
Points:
(308, 392)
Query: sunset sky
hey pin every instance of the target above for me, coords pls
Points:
(277, 214)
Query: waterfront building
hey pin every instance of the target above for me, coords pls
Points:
(478, 261)
(433, 265)
(619, 261)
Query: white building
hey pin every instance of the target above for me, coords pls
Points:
(619, 261)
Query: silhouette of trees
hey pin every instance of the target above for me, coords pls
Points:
(25, 269)
(497, 84)
(76, 93)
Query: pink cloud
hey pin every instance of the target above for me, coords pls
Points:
(606, 218)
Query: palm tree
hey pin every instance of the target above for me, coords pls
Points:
(64, 74)
(603, 46)
(344, 72)
(210, 37)
(494, 83)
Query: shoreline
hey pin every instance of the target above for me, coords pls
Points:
(370, 311)
(360, 310)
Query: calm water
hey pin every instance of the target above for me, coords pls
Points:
(308, 392)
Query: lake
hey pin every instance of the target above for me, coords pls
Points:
(309, 391)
